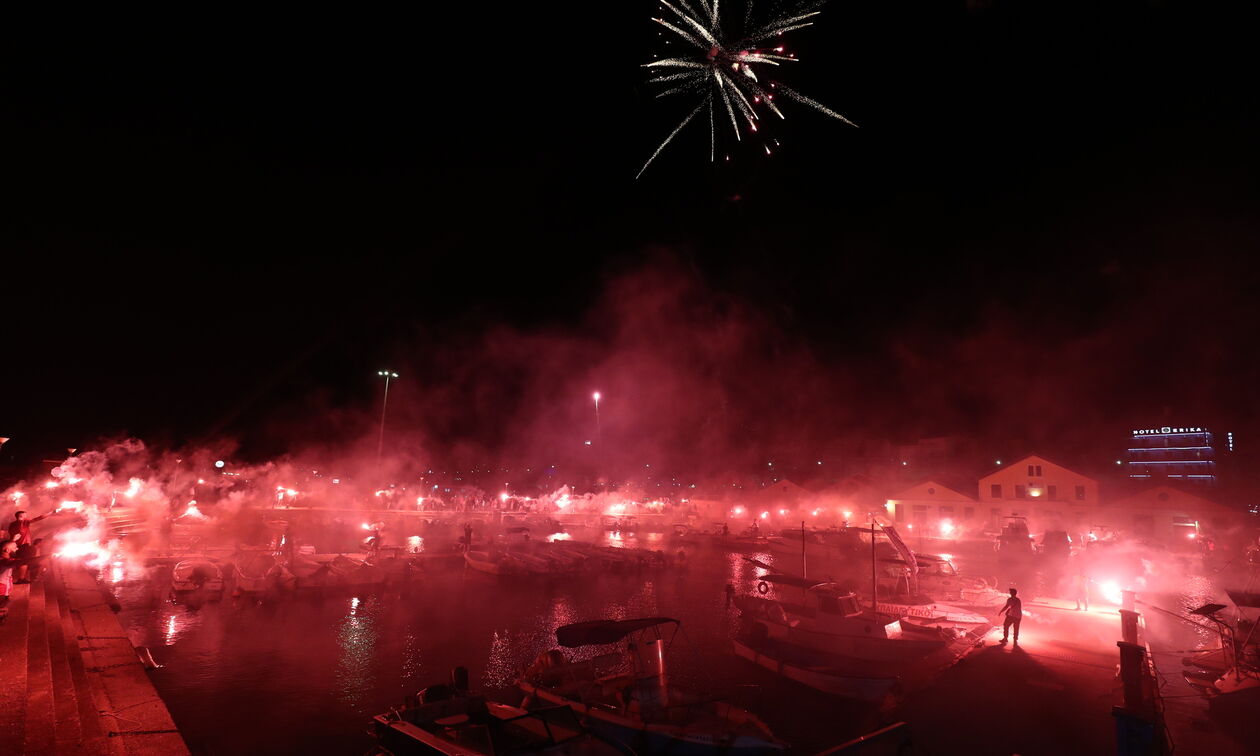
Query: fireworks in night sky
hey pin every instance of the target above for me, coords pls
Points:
(727, 63)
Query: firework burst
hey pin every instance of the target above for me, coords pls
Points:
(726, 63)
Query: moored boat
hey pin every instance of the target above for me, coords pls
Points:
(197, 574)
(627, 697)
(447, 719)
(838, 677)
(831, 620)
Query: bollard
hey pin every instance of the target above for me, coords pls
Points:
(1132, 663)
(1128, 626)
(1127, 600)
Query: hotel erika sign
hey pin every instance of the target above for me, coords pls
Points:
(1167, 430)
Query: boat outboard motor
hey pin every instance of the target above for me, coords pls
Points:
(459, 679)
(439, 692)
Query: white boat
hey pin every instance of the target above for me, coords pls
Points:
(197, 574)
(838, 679)
(831, 620)
(626, 697)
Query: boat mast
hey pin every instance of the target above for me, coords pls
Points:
(803, 573)
(874, 583)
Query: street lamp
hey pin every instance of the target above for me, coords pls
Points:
(599, 439)
(598, 435)
(380, 443)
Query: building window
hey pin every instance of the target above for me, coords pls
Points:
(995, 490)
(1052, 492)
(947, 512)
(1080, 493)
(1030, 471)
(1019, 492)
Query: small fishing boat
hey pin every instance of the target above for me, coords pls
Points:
(259, 572)
(447, 719)
(492, 564)
(626, 697)
(197, 574)
(832, 675)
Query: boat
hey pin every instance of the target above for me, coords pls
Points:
(831, 620)
(492, 564)
(447, 719)
(259, 572)
(197, 574)
(626, 696)
(1229, 676)
(832, 675)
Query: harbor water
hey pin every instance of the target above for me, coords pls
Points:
(305, 674)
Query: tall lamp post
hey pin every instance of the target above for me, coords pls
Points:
(599, 439)
(380, 443)
(598, 434)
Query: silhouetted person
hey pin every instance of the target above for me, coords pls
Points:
(1082, 592)
(730, 594)
(1014, 611)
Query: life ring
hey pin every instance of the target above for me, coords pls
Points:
(763, 587)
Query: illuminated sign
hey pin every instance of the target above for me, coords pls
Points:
(1167, 430)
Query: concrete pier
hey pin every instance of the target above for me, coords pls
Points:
(1051, 694)
(70, 680)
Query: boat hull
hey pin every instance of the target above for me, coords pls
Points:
(826, 679)
(647, 737)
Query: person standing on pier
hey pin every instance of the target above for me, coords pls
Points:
(1082, 591)
(1014, 611)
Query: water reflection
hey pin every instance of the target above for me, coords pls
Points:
(500, 666)
(356, 640)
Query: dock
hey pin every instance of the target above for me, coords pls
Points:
(1051, 694)
(70, 680)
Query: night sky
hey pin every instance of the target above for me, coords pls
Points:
(224, 225)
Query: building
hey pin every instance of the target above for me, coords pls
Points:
(936, 508)
(1168, 514)
(1182, 454)
(1050, 495)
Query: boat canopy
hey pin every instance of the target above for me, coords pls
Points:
(603, 632)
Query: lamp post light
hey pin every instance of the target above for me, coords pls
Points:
(598, 435)
(380, 443)
(599, 439)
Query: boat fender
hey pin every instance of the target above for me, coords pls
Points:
(763, 587)
(146, 658)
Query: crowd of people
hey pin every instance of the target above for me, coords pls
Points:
(19, 553)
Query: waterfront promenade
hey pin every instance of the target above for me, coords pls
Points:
(70, 680)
